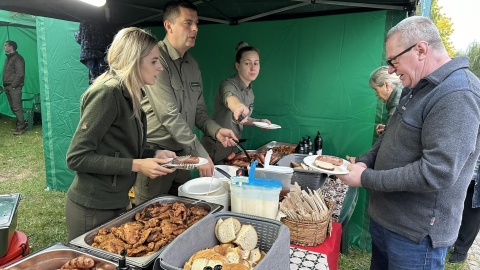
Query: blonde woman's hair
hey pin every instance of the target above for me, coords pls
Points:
(380, 76)
(125, 54)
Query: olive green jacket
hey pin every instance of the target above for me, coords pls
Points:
(107, 139)
(175, 104)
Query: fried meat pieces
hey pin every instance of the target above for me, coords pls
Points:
(154, 227)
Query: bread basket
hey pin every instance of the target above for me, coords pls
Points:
(310, 233)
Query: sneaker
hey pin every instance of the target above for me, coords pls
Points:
(19, 131)
(456, 257)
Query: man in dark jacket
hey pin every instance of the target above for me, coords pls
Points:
(13, 80)
(94, 39)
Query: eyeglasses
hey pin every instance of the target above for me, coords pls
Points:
(389, 61)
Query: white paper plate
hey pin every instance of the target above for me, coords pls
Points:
(266, 126)
(201, 161)
(202, 185)
(227, 168)
(342, 169)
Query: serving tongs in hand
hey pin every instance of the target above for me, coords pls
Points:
(239, 146)
(177, 163)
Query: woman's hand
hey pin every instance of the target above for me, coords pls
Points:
(241, 111)
(151, 167)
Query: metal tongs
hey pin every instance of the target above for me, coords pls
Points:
(181, 165)
(239, 146)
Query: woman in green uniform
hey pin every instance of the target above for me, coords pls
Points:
(108, 147)
(235, 94)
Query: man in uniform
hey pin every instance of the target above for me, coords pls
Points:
(175, 104)
(13, 80)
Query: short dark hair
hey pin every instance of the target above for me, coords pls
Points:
(12, 43)
(171, 10)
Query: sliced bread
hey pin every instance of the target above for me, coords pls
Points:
(324, 165)
(245, 254)
(233, 254)
(219, 221)
(247, 238)
(226, 231)
(255, 255)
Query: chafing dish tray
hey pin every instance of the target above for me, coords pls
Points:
(85, 240)
(276, 145)
(8, 219)
(55, 256)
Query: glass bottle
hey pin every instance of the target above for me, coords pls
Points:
(318, 144)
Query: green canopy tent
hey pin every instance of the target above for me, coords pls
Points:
(314, 77)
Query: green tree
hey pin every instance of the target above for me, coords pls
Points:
(444, 24)
(473, 51)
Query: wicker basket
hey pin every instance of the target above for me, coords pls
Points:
(310, 233)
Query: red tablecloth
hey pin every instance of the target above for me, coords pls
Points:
(331, 246)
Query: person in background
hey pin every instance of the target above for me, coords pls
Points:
(388, 88)
(94, 38)
(418, 171)
(175, 104)
(470, 220)
(235, 94)
(107, 149)
(13, 80)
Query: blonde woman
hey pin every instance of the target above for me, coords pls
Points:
(388, 88)
(107, 149)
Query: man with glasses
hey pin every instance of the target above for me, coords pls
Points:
(419, 168)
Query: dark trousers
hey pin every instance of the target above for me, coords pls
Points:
(14, 97)
(470, 223)
(81, 219)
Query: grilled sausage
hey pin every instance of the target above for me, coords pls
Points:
(79, 262)
(191, 160)
(331, 159)
(231, 156)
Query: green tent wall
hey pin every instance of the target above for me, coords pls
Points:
(21, 29)
(314, 77)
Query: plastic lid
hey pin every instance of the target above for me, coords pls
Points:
(277, 169)
(256, 182)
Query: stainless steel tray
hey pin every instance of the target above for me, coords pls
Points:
(54, 257)
(85, 240)
(8, 219)
(273, 144)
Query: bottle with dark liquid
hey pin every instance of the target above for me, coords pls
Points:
(309, 150)
(299, 149)
(318, 144)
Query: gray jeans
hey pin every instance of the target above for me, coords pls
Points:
(14, 97)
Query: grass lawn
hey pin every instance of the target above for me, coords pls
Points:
(41, 213)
